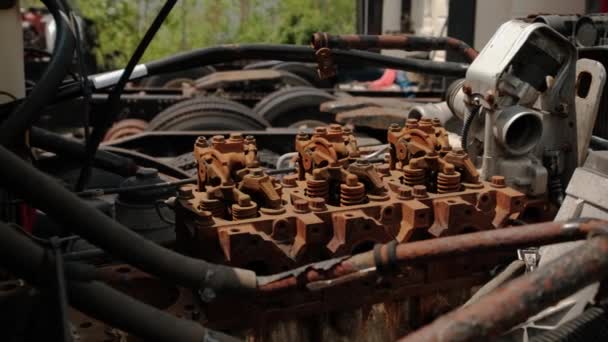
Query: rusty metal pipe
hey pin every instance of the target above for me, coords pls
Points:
(388, 255)
(398, 42)
(521, 298)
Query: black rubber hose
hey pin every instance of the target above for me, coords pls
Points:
(46, 194)
(466, 128)
(74, 149)
(35, 264)
(28, 111)
(113, 102)
(591, 325)
(296, 53)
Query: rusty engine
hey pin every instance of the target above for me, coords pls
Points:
(216, 211)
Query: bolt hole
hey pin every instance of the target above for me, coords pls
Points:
(517, 202)
(348, 215)
(451, 201)
(235, 230)
(388, 211)
(421, 216)
(315, 230)
(484, 198)
(583, 84)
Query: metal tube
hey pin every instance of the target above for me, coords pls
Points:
(401, 42)
(521, 298)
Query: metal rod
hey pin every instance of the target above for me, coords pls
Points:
(521, 298)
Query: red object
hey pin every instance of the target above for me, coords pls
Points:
(387, 79)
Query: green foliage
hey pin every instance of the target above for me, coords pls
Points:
(198, 23)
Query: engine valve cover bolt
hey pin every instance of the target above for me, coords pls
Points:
(498, 181)
(289, 181)
(411, 123)
(317, 204)
(320, 131)
(394, 127)
(185, 192)
(405, 193)
(201, 142)
(420, 191)
(383, 169)
(300, 206)
(218, 139)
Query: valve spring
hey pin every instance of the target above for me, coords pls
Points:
(216, 207)
(413, 176)
(448, 182)
(317, 188)
(244, 212)
(352, 194)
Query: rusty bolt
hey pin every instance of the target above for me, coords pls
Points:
(245, 201)
(347, 130)
(218, 139)
(236, 136)
(383, 169)
(250, 139)
(459, 151)
(256, 172)
(446, 148)
(289, 181)
(449, 170)
(300, 206)
(320, 130)
(419, 191)
(185, 192)
(335, 128)
(352, 180)
(317, 204)
(411, 123)
(201, 142)
(405, 193)
(498, 181)
(467, 89)
(436, 122)
(394, 127)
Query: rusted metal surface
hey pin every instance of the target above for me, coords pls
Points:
(521, 298)
(125, 128)
(322, 40)
(336, 205)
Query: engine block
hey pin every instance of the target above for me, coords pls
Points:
(338, 202)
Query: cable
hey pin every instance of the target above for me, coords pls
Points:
(74, 149)
(62, 300)
(28, 111)
(35, 264)
(113, 102)
(466, 127)
(46, 194)
(109, 191)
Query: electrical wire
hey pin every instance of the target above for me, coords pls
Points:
(113, 102)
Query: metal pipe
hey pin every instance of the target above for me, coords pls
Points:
(521, 298)
(387, 255)
(399, 42)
